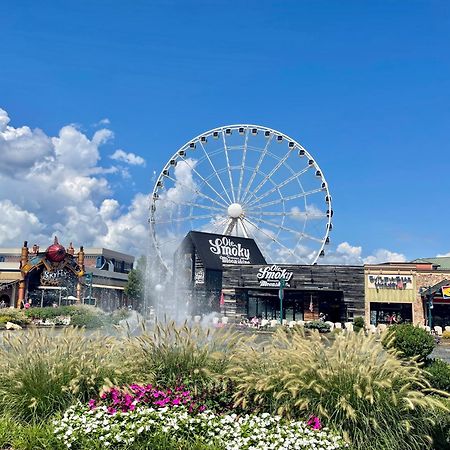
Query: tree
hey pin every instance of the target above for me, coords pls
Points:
(134, 288)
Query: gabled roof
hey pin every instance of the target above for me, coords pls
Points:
(436, 289)
(215, 250)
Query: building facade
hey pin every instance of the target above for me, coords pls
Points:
(62, 275)
(229, 275)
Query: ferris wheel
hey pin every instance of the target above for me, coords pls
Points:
(243, 180)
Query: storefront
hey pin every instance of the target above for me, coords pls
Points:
(390, 292)
(229, 275)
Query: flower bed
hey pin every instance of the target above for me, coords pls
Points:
(83, 427)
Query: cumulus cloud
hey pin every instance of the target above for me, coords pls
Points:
(128, 158)
(348, 254)
(444, 255)
(56, 185)
(21, 147)
(382, 255)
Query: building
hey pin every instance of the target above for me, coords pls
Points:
(63, 276)
(229, 274)
(402, 290)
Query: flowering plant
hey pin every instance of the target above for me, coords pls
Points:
(83, 427)
(126, 399)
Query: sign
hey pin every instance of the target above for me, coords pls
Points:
(199, 277)
(395, 282)
(229, 251)
(270, 276)
(446, 292)
(54, 277)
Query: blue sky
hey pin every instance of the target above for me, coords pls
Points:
(364, 86)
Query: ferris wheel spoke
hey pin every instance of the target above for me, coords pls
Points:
(204, 180)
(278, 186)
(258, 165)
(270, 237)
(286, 214)
(244, 228)
(228, 166)
(196, 191)
(213, 167)
(244, 154)
(291, 197)
(290, 230)
(271, 173)
(183, 219)
(218, 225)
(197, 205)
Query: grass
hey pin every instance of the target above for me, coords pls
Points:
(43, 371)
(377, 400)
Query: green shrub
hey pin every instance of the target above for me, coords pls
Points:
(358, 324)
(16, 316)
(43, 371)
(352, 383)
(318, 325)
(411, 341)
(438, 373)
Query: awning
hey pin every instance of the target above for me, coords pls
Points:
(105, 286)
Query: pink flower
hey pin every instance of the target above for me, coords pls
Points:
(314, 423)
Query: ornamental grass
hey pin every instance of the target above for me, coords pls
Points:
(170, 355)
(44, 371)
(356, 386)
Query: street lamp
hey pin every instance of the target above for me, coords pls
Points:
(281, 295)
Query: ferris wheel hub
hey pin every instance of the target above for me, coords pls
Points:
(235, 210)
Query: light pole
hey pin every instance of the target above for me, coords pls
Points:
(430, 307)
(281, 295)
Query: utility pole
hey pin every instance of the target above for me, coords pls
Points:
(281, 295)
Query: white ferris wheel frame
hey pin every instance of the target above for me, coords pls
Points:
(293, 145)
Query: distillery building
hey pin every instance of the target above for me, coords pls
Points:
(229, 274)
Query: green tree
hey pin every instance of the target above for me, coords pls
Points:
(134, 288)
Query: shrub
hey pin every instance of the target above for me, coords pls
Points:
(321, 327)
(358, 324)
(446, 335)
(16, 316)
(43, 371)
(411, 341)
(353, 383)
(438, 373)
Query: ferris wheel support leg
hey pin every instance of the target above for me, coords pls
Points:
(230, 227)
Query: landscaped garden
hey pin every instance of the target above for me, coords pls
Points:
(182, 387)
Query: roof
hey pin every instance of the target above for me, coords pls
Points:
(442, 261)
(215, 250)
(436, 288)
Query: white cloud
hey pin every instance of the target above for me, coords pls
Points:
(21, 147)
(54, 185)
(17, 224)
(444, 255)
(382, 255)
(128, 158)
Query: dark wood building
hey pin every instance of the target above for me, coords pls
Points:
(229, 274)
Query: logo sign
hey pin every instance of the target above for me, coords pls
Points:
(54, 277)
(446, 292)
(229, 252)
(270, 276)
(199, 277)
(396, 282)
